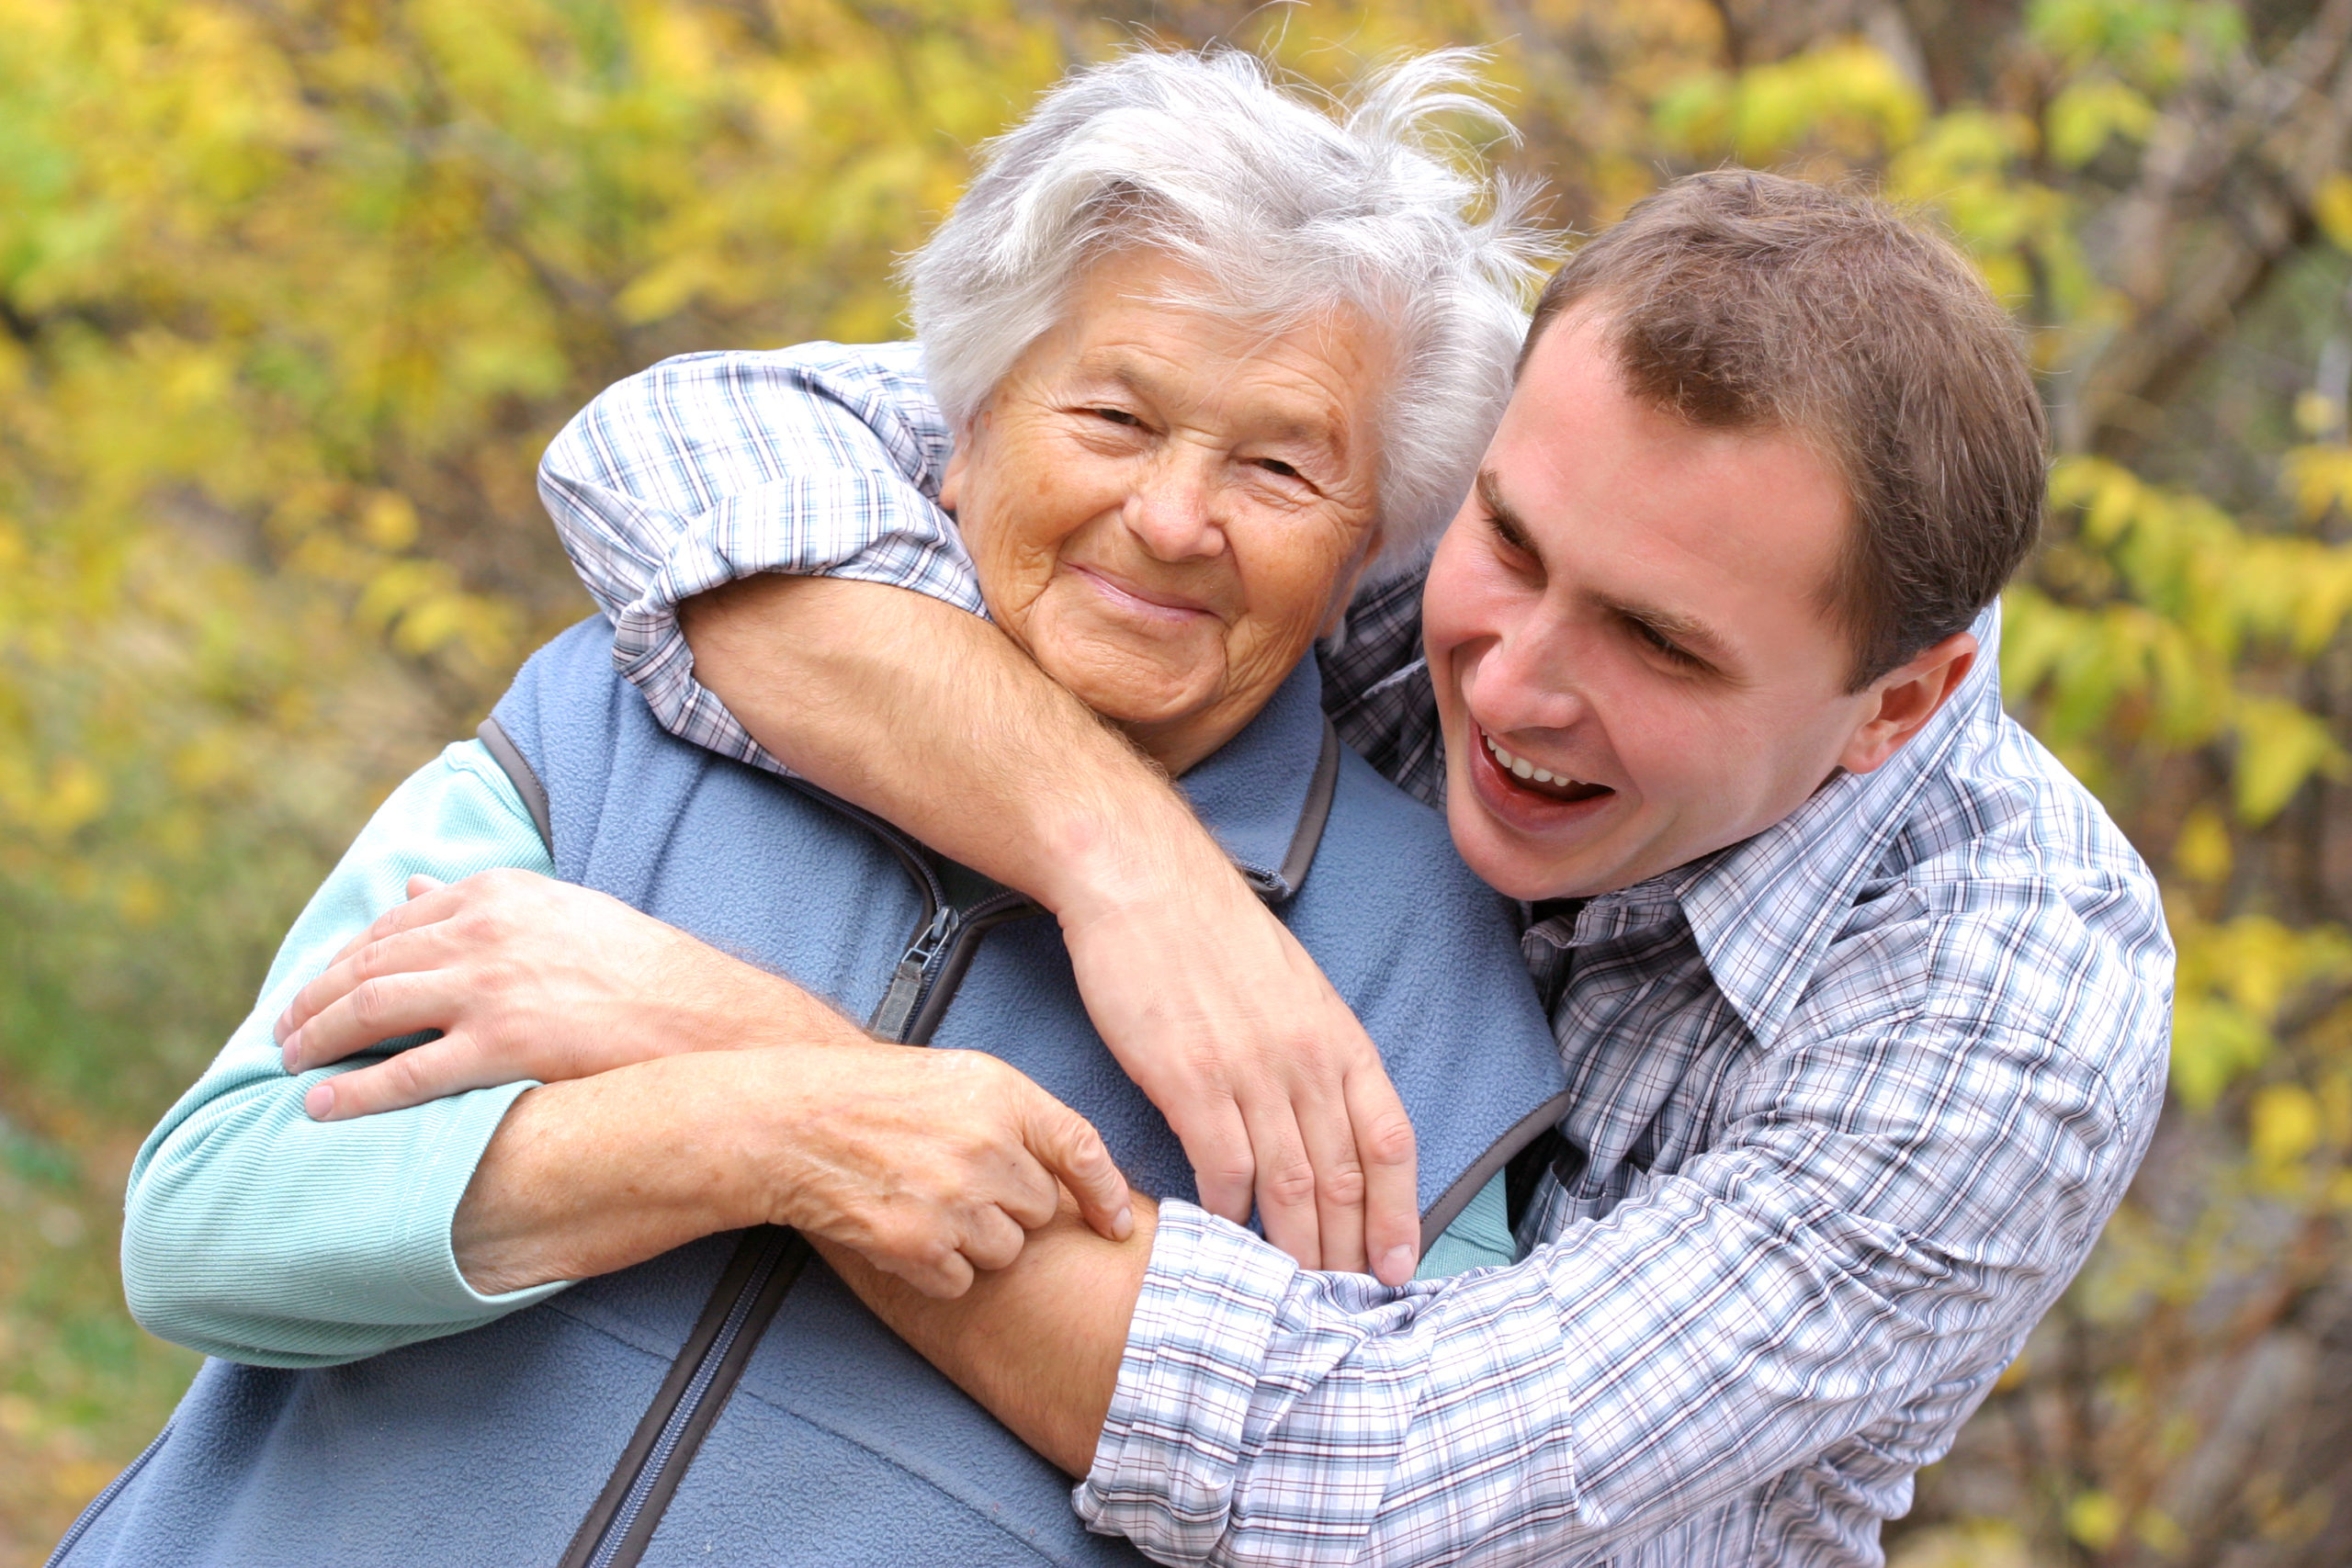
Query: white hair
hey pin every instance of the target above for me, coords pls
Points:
(1288, 211)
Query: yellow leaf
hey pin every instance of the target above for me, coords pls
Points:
(2202, 853)
(2280, 747)
(2094, 1518)
(2088, 113)
(2283, 1123)
(2332, 207)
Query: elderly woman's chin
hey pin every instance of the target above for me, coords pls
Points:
(1152, 685)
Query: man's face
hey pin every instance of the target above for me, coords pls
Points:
(1635, 607)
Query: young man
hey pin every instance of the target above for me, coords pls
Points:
(1863, 1002)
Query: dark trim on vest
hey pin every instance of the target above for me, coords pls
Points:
(1312, 818)
(1456, 1198)
(519, 772)
(746, 1299)
(89, 1516)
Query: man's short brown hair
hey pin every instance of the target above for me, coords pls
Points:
(1742, 300)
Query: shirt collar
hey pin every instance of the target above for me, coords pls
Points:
(1266, 793)
(1763, 912)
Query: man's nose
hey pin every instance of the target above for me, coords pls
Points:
(1526, 681)
(1172, 511)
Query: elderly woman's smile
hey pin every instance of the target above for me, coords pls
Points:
(1166, 504)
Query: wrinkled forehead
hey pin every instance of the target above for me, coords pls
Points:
(1148, 324)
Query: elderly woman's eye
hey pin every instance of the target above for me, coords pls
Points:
(1276, 466)
(1116, 416)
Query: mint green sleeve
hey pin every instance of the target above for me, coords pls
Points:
(257, 1233)
(1479, 1237)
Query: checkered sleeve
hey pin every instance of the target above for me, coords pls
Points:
(821, 460)
(1888, 1209)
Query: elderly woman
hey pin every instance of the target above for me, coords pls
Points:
(1206, 356)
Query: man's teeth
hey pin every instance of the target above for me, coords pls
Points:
(1524, 768)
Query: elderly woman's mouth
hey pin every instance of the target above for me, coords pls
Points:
(1142, 604)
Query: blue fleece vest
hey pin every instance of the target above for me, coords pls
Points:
(839, 1446)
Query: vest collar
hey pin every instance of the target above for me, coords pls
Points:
(1266, 794)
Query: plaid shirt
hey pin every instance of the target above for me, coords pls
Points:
(1852, 1098)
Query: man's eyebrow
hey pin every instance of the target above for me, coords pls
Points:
(1692, 637)
(1508, 523)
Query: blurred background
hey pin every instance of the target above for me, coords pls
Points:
(293, 292)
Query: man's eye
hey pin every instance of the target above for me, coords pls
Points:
(1659, 645)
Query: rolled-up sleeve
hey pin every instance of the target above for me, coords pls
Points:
(1884, 1217)
(821, 460)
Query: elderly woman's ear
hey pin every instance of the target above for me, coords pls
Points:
(1343, 590)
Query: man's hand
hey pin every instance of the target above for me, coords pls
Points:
(1259, 1067)
(1209, 1004)
(526, 978)
(928, 1164)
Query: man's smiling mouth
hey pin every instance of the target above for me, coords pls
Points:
(1526, 776)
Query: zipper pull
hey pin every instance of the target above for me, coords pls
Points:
(890, 1022)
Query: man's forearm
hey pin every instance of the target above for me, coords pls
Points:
(1037, 1343)
(935, 719)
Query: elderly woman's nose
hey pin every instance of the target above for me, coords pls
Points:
(1172, 512)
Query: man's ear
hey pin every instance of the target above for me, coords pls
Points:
(1905, 699)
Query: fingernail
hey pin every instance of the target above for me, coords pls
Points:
(1123, 1223)
(1397, 1265)
(320, 1101)
(289, 1051)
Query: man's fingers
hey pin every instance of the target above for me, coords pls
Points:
(1067, 1144)
(1218, 1143)
(1321, 1112)
(1285, 1179)
(1383, 1135)
(427, 1072)
(371, 1012)
(420, 911)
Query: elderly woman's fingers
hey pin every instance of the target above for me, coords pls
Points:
(992, 1239)
(1067, 1144)
(1383, 1139)
(1286, 1181)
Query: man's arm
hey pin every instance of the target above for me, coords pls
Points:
(1072, 1290)
(1829, 1283)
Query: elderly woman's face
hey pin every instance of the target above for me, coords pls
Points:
(1166, 507)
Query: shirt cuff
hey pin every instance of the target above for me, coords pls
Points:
(1164, 1469)
(424, 1258)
